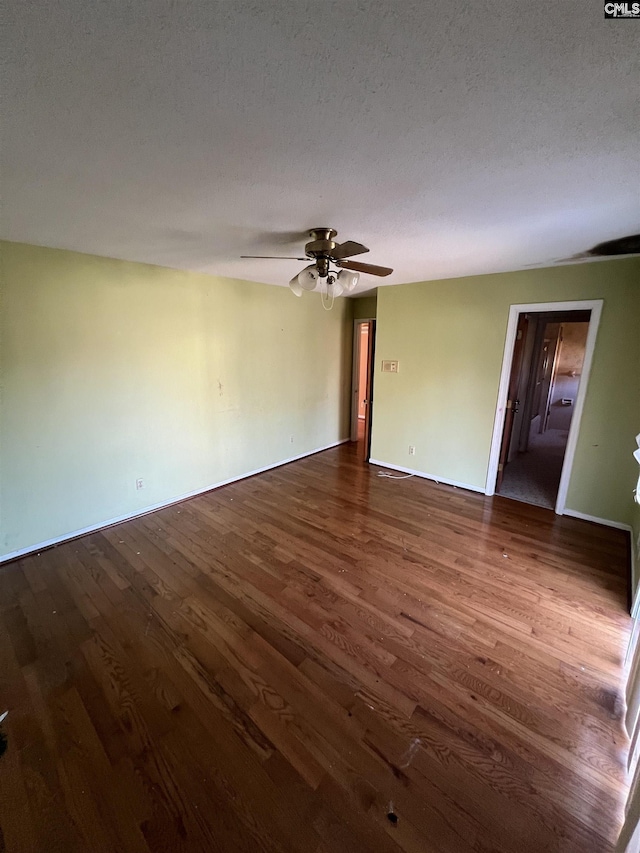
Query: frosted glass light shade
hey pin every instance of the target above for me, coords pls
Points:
(295, 287)
(335, 288)
(308, 278)
(348, 279)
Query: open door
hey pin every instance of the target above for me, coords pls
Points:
(368, 400)
(545, 361)
(362, 385)
(555, 344)
(548, 353)
(512, 402)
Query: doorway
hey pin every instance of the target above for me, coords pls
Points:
(362, 385)
(544, 376)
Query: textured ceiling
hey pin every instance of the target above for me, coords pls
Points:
(451, 138)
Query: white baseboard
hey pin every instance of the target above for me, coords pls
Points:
(605, 521)
(424, 476)
(31, 549)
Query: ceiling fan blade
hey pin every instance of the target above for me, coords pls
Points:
(366, 268)
(275, 257)
(348, 249)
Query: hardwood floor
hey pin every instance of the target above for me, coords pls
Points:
(318, 659)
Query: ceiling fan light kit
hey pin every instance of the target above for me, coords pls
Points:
(348, 279)
(308, 278)
(295, 287)
(324, 251)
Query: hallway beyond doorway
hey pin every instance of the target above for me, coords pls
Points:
(542, 389)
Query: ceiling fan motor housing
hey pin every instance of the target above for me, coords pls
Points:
(320, 247)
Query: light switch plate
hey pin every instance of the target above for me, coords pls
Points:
(389, 366)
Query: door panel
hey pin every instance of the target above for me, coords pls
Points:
(369, 398)
(512, 401)
(550, 351)
(358, 382)
(363, 356)
(520, 416)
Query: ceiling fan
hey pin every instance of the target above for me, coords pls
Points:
(610, 248)
(324, 251)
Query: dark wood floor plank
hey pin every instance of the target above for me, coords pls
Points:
(318, 660)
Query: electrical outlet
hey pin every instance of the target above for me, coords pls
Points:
(291, 439)
(412, 450)
(140, 484)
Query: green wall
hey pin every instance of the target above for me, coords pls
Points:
(112, 371)
(364, 307)
(449, 339)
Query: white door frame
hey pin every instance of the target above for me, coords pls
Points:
(593, 305)
(355, 377)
